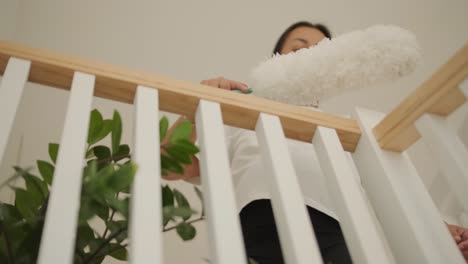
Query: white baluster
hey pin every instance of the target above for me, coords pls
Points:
(58, 237)
(410, 220)
(298, 241)
(360, 231)
(11, 89)
(450, 152)
(222, 219)
(145, 218)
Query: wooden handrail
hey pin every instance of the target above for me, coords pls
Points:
(438, 95)
(119, 84)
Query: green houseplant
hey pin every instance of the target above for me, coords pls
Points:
(107, 178)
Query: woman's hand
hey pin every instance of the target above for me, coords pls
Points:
(460, 235)
(226, 84)
(193, 170)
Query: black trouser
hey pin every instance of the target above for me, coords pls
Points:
(262, 242)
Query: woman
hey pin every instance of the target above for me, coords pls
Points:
(258, 226)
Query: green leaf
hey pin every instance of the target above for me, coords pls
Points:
(106, 172)
(167, 196)
(123, 152)
(181, 201)
(179, 154)
(9, 213)
(163, 126)
(95, 126)
(168, 163)
(116, 132)
(127, 189)
(99, 209)
(102, 152)
(120, 206)
(84, 235)
(94, 245)
(90, 171)
(186, 231)
(95, 182)
(182, 212)
(182, 131)
(29, 246)
(36, 187)
(123, 177)
(99, 184)
(53, 150)
(46, 170)
(200, 196)
(13, 225)
(165, 160)
(26, 203)
(166, 218)
(106, 128)
(86, 212)
(118, 252)
(187, 146)
(120, 226)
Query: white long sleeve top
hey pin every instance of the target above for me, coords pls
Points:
(249, 177)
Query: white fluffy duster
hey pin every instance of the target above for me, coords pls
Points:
(353, 60)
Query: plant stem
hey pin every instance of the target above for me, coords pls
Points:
(110, 219)
(188, 222)
(107, 241)
(110, 252)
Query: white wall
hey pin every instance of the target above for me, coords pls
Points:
(194, 40)
(8, 19)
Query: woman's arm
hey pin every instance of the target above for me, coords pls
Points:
(460, 235)
(192, 171)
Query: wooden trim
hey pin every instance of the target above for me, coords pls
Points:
(119, 84)
(439, 95)
(448, 103)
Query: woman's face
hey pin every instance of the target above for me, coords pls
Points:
(300, 38)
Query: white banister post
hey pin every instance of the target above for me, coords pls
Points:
(58, 236)
(410, 220)
(297, 238)
(11, 89)
(146, 205)
(360, 231)
(224, 229)
(450, 153)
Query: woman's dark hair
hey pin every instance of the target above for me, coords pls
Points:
(282, 39)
